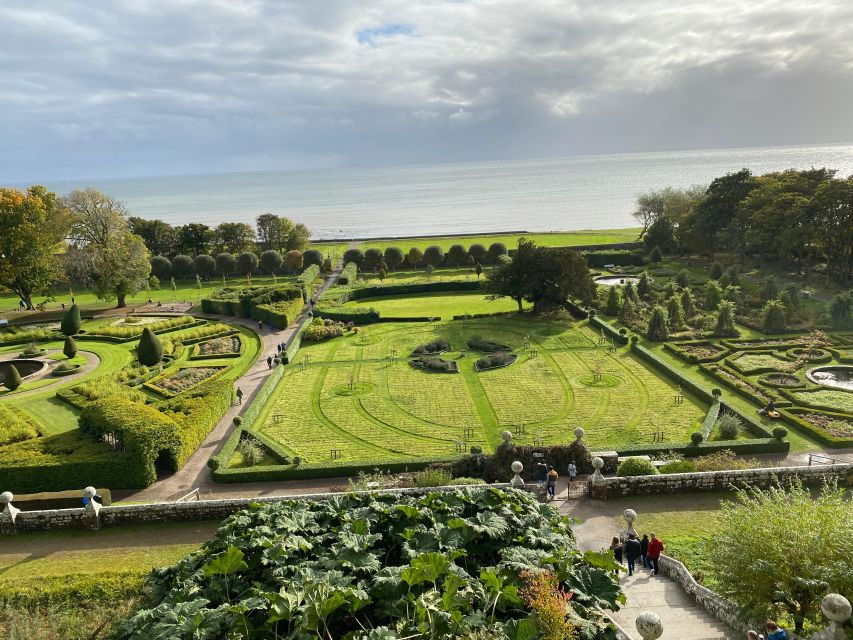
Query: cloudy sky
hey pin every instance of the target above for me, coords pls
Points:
(153, 87)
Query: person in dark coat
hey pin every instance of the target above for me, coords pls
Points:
(633, 551)
(541, 472)
(616, 548)
(644, 546)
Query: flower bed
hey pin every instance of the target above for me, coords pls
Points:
(174, 382)
(476, 343)
(737, 383)
(66, 369)
(701, 351)
(810, 355)
(752, 363)
(778, 344)
(495, 361)
(835, 425)
(133, 329)
(781, 380)
(829, 399)
(222, 347)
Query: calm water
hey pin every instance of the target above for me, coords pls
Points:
(582, 192)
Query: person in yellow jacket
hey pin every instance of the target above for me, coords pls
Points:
(552, 482)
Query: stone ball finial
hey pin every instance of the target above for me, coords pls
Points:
(597, 463)
(89, 492)
(630, 515)
(517, 467)
(507, 436)
(649, 625)
(6, 497)
(836, 607)
(579, 433)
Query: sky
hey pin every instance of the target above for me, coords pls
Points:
(129, 88)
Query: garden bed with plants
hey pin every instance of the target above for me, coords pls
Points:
(222, 347)
(752, 363)
(434, 364)
(699, 351)
(173, 382)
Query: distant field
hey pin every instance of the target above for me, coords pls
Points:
(556, 239)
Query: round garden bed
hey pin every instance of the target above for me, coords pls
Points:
(66, 369)
(810, 355)
(780, 380)
(838, 376)
(603, 381)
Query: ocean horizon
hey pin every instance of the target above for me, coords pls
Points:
(553, 194)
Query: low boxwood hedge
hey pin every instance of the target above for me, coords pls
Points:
(690, 450)
(409, 289)
(307, 471)
(791, 415)
(617, 257)
(609, 329)
(681, 350)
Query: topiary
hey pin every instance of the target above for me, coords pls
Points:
(678, 466)
(696, 438)
(644, 285)
(613, 302)
(725, 326)
(779, 433)
(683, 278)
(773, 317)
(658, 329)
(13, 378)
(149, 351)
(476, 449)
(674, 313)
(656, 255)
(71, 321)
(69, 348)
(716, 271)
(237, 421)
(729, 426)
(636, 467)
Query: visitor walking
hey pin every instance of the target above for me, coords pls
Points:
(278, 347)
(541, 472)
(655, 549)
(573, 471)
(269, 362)
(633, 551)
(260, 326)
(63, 306)
(239, 395)
(644, 548)
(616, 548)
(775, 632)
(552, 482)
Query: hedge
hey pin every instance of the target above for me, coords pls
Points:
(407, 289)
(690, 450)
(494, 314)
(677, 350)
(710, 419)
(731, 361)
(307, 471)
(799, 400)
(617, 257)
(295, 342)
(712, 369)
(839, 355)
(609, 329)
(791, 417)
(279, 314)
(577, 311)
(357, 315)
(197, 412)
(647, 356)
(229, 301)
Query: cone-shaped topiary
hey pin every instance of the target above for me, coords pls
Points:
(612, 308)
(658, 330)
(13, 378)
(713, 295)
(688, 304)
(655, 255)
(771, 289)
(726, 320)
(627, 311)
(773, 317)
(683, 278)
(644, 286)
(150, 349)
(629, 292)
(674, 312)
(70, 347)
(716, 271)
(734, 277)
(71, 321)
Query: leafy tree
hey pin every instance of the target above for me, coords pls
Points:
(226, 264)
(629, 292)
(496, 250)
(841, 310)
(149, 351)
(13, 378)
(272, 232)
(674, 313)
(716, 271)
(414, 257)
(160, 237)
(644, 285)
(69, 349)
(770, 290)
(510, 279)
(393, 256)
(725, 326)
(658, 329)
(613, 302)
(433, 256)
(194, 238)
(688, 304)
(372, 258)
(271, 261)
(683, 278)
(381, 273)
(247, 263)
(790, 296)
(312, 256)
(715, 213)
(429, 269)
(154, 283)
(832, 217)
(781, 550)
(298, 238)
(161, 266)
(713, 295)
(670, 289)
(773, 317)
(204, 265)
(660, 235)
(293, 260)
(234, 237)
(478, 269)
(477, 252)
(34, 224)
(355, 256)
(182, 266)
(457, 255)
(71, 321)
(650, 207)
(655, 255)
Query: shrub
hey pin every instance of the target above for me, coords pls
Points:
(725, 460)
(317, 333)
(237, 421)
(69, 349)
(678, 466)
(773, 317)
(716, 271)
(495, 361)
(496, 250)
(779, 433)
(841, 310)
(432, 478)
(613, 302)
(463, 481)
(476, 343)
(15, 426)
(658, 329)
(13, 378)
(251, 452)
(656, 255)
(150, 350)
(713, 295)
(71, 321)
(644, 285)
(688, 304)
(696, 438)
(476, 449)
(636, 467)
(729, 425)
(770, 290)
(683, 278)
(674, 312)
(725, 326)
(434, 363)
(436, 346)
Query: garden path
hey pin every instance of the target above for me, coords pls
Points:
(682, 618)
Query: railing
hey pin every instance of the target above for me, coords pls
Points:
(819, 458)
(194, 494)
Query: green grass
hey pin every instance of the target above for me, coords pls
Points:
(400, 412)
(445, 305)
(419, 276)
(555, 239)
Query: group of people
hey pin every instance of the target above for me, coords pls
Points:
(774, 632)
(547, 475)
(271, 360)
(647, 550)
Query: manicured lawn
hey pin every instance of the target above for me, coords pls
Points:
(556, 239)
(400, 412)
(445, 305)
(419, 276)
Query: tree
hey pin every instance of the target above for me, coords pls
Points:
(161, 266)
(716, 271)
(194, 238)
(613, 302)
(627, 312)
(496, 250)
(149, 351)
(510, 279)
(457, 255)
(688, 304)
(766, 555)
(247, 263)
(381, 273)
(312, 256)
(182, 266)
(225, 264)
(13, 378)
(790, 296)
(832, 209)
(234, 237)
(160, 237)
(69, 349)
(478, 269)
(414, 257)
(271, 261)
(725, 326)
(661, 234)
(644, 285)
(293, 260)
(393, 256)
(841, 310)
(683, 278)
(71, 321)
(674, 313)
(714, 214)
(649, 207)
(356, 256)
(298, 237)
(773, 317)
(629, 292)
(770, 290)
(429, 269)
(327, 264)
(655, 255)
(272, 232)
(713, 295)
(478, 252)
(733, 275)
(372, 258)
(204, 266)
(658, 329)
(434, 256)
(34, 224)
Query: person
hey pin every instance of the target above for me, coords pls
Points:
(278, 347)
(573, 471)
(655, 549)
(541, 472)
(269, 362)
(754, 635)
(775, 632)
(260, 326)
(633, 551)
(552, 482)
(644, 549)
(239, 395)
(63, 306)
(769, 410)
(616, 548)
(86, 501)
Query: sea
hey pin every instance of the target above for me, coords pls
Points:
(556, 194)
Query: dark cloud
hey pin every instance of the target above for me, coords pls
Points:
(140, 87)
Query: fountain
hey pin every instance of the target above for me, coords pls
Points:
(838, 376)
(612, 281)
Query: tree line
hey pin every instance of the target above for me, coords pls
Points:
(433, 256)
(803, 218)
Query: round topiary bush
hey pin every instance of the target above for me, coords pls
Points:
(237, 421)
(636, 467)
(678, 466)
(779, 433)
(696, 438)
(623, 331)
(716, 392)
(476, 449)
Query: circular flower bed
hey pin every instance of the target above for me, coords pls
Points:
(810, 355)
(780, 380)
(66, 369)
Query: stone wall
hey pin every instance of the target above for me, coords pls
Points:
(604, 488)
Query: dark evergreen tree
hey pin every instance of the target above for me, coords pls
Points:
(658, 329)
(734, 275)
(688, 304)
(770, 290)
(726, 320)
(613, 302)
(773, 317)
(716, 271)
(149, 351)
(656, 255)
(71, 321)
(644, 286)
(13, 378)
(683, 279)
(69, 348)
(393, 257)
(674, 312)
(629, 292)
(627, 312)
(713, 295)
(496, 250)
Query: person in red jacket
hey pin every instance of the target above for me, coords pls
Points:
(655, 549)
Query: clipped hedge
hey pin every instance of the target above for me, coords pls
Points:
(710, 419)
(609, 329)
(680, 350)
(616, 257)
(739, 385)
(279, 314)
(230, 301)
(690, 450)
(307, 471)
(792, 417)
(357, 315)
(408, 289)
(197, 412)
(577, 311)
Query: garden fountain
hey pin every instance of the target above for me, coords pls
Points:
(611, 281)
(838, 376)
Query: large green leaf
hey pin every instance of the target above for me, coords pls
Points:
(229, 562)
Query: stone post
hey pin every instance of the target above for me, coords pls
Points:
(837, 609)
(516, 481)
(9, 513)
(596, 481)
(92, 508)
(507, 437)
(579, 434)
(649, 625)
(630, 515)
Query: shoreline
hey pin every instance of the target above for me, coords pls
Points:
(477, 234)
